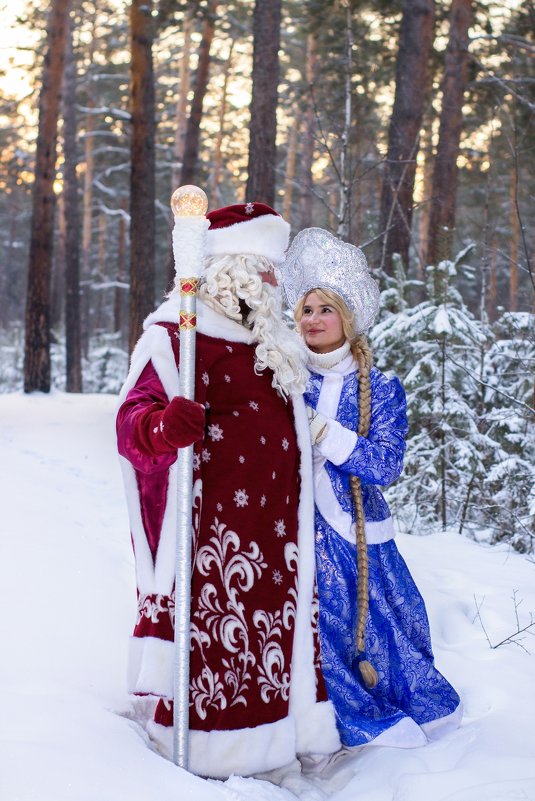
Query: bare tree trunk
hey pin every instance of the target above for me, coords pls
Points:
(307, 150)
(193, 128)
(262, 143)
(118, 303)
(218, 152)
(37, 344)
(513, 245)
(72, 227)
(100, 325)
(142, 177)
(87, 196)
(415, 44)
(425, 209)
(343, 230)
(291, 160)
(184, 79)
(87, 227)
(58, 266)
(492, 299)
(442, 215)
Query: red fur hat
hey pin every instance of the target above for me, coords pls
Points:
(247, 228)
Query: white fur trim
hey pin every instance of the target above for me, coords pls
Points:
(209, 321)
(438, 728)
(267, 236)
(404, 734)
(317, 732)
(189, 245)
(150, 666)
(322, 738)
(219, 754)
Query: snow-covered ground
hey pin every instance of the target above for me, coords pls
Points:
(68, 730)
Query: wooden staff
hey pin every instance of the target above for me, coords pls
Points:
(189, 204)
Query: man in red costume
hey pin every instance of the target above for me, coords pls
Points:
(257, 698)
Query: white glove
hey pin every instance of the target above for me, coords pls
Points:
(318, 425)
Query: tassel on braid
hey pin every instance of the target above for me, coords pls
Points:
(363, 356)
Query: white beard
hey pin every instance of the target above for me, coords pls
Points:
(226, 281)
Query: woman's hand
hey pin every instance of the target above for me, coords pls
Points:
(318, 425)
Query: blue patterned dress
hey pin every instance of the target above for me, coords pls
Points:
(412, 701)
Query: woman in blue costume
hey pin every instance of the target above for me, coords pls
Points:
(376, 650)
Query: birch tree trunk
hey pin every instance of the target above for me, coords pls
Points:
(263, 130)
(415, 44)
(142, 177)
(442, 214)
(37, 323)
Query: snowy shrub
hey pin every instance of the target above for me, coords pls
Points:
(469, 459)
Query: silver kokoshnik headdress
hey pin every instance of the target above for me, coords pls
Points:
(318, 260)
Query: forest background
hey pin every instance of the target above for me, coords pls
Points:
(405, 127)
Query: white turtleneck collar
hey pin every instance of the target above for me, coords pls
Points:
(339, 361)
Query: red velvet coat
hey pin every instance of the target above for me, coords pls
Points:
(256, 694)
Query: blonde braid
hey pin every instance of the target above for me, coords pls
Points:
(364, 358)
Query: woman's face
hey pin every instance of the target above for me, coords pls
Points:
(321, 325)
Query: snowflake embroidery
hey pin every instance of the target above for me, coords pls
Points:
(263, 501)
(206, 455)
(253, 405)
(155, 430)
(263, 440)
(249, 208)
(277, 577)
(215, 432)
(196, 461)
(219, 507)
(287, 500)
(161, 425)
(273, 475)
(241, 459)
(205, 379)
(241, 498)
(236, 414)
(227, 379)
(229, 348)
(285, 444)
(280, 528)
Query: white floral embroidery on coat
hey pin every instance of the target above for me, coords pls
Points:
(280, 528)
(225, 620)
(241, 498)
(215, 432)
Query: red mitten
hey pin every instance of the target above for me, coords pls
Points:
(182, 422)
